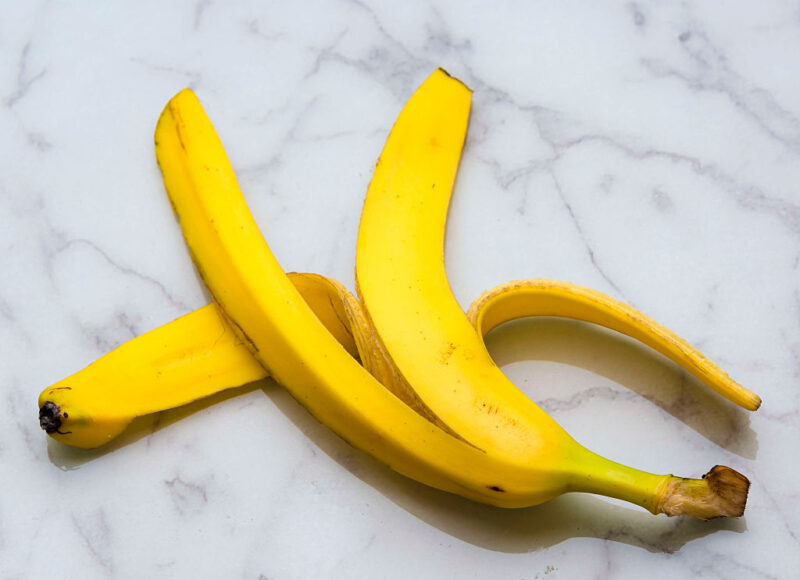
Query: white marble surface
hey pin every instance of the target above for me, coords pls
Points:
(649, 150)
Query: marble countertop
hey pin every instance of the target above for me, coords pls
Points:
(649, 151)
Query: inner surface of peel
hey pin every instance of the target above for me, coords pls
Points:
(377, 360)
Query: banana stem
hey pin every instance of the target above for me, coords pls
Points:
(722, 492)
(602, 476)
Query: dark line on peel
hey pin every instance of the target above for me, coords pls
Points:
(178, 123)
(416, 403)
(348, 329)
(459, 81)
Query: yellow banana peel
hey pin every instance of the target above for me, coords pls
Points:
(538, 297)
(428, 400)
(403, 287)
(286, 337)
(193, 357)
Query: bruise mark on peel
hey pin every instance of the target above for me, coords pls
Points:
(447, 352)
(496, 488)
(178, 124)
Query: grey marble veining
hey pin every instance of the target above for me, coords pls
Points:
(649, 150)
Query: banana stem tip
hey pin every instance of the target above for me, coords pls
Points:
(50, 417)
(721, 493)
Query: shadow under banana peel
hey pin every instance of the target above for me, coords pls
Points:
(627, 362)
(520, 530)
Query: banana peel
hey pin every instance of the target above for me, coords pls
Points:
(403, 287)
(193, 357)
(285, 336)
(540, 297)
(222, 346)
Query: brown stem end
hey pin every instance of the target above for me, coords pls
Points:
(50, 417)
(721, 493)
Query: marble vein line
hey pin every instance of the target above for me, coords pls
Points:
(662, 200)
(97, 536)
(328, 53)
(638, 16)
(584, 239)
(254, 29)
(126, 270)
(719, 564)
(553, 404)
(24, 79)
(98, 336)
(195, 77)
(199, 11)
(440, 38)
(17, 399)
(393, 64)
(747, 196)
(715, 75)
(794, 349)
(288, 137)
(775, 506)
(186, 496)
(6, 311)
